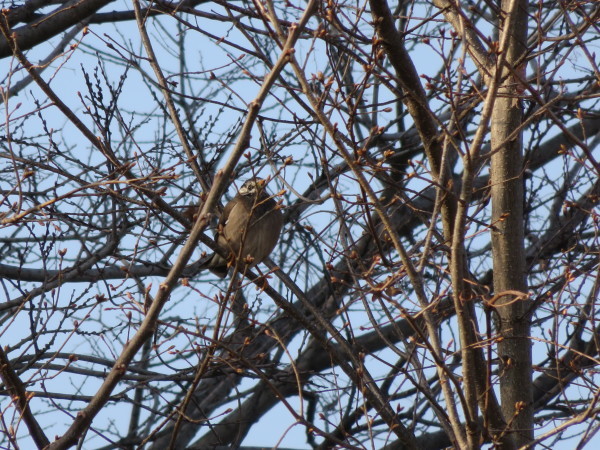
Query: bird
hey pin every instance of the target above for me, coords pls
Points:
(249, 227)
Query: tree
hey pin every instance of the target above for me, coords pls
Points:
(436, 283)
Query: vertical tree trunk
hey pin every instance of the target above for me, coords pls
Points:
(514, 347)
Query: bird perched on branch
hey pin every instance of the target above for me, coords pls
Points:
(249, 228)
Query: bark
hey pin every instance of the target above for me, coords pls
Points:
(514, 347)
(59, 20)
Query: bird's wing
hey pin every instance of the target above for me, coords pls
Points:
(234, 222)
(227, 211)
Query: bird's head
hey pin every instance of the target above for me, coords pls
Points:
(253, 187)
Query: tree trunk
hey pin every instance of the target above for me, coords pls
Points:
(514, 346)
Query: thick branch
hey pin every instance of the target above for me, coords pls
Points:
(57, 21)
(514, 349)
(15, 387)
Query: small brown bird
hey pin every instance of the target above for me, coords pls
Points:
(251, 221)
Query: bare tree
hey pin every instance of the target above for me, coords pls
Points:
(436, 282)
